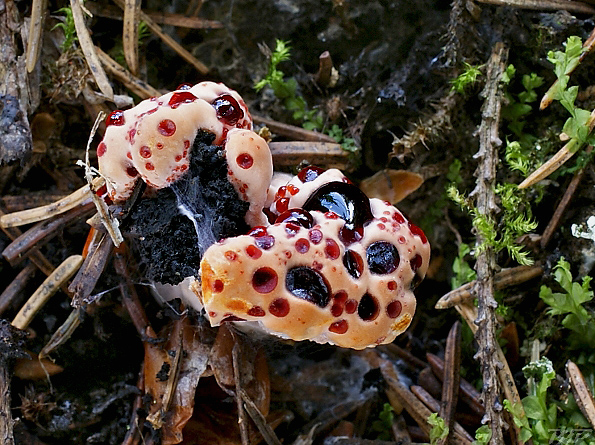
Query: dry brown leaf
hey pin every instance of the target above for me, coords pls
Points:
(221, 361)
(580, 389)
(391, 185)
(192, 367)
(160, 368)
(35, 368)
(253, 367)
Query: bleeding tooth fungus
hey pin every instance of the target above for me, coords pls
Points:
(320, 261)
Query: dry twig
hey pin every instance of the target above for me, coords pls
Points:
(561, 208)
(470, 314)
(34, 43)
(503, 279)
(29, 216)
(130, 34)
(291, 131)
(88, 48)
(468, 394)
(139, 87)
(49, 287)
(558, 160)
(169, 41)
(327, 154)
(63, 333)
(41, 233)
(160, 17)
(580, 389)
(451, 378)
(16, 286)
(486, 259)
(83, 284)
(545, 5)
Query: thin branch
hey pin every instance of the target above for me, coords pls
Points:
(544, 5)
(130, 34)
(169, 41)
(88, 48)
(486, 258)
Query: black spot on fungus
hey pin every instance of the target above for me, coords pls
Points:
(308, 284)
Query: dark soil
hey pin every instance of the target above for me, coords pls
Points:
(168, 246)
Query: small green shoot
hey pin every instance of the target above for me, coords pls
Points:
(144, 32)
(67, 27)
(514, 221)
(541, 415)
(518, 106)
(439, 429)
(466, 78)
(274, 77)
(517, 158)
(523, 153)
(483, 434)
(576, 127)
(383, 425)
(570, 303)
(287, 89)
(463, 273)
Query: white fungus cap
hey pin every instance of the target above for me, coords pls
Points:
(304, 281)
(153, 140)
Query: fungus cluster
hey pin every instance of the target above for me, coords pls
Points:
(320, 260)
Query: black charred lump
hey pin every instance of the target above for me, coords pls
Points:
(166, 239)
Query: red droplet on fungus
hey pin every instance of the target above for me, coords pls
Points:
(264, 280)
(258, 231)
(282, 205)
(302, 245)
(398, 218)
(256, 311)
(265, 242)
(101, 149)
(179, 98)
(253, 252)
(394, 308)
(336, 310)
(279, 307)
(309, 173)
(166, 127)
(315, 236)
(116, 117)
(417, 231)
(244, 160)
(351, 306)
(145, 151)
(332, 250)
(217, 286)
(131, 171)
(228, 109)
(339, 327)
(416, 262)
